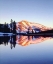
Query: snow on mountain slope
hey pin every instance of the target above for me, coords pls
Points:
(25, 25)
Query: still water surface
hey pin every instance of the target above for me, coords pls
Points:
(32, 53)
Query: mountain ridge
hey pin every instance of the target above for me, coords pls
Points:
(25, 25)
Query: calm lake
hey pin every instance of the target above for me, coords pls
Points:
(26, 50)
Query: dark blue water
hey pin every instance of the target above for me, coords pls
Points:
(41, 53)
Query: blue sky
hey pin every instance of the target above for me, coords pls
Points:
(39, 11)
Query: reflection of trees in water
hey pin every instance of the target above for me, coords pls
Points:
(21, 40)
(8, 39)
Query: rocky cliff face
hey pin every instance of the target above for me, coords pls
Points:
(25, 25)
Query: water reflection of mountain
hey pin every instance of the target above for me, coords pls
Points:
(21, 40)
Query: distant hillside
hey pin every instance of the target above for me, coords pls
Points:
(48, 31)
